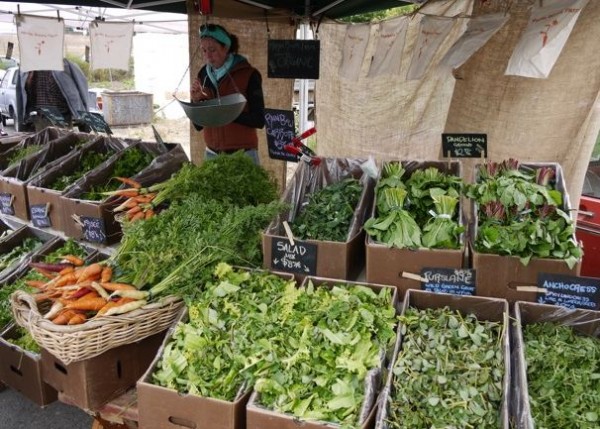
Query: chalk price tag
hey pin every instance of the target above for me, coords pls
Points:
(449, 280)
(93, 229)
(6, 204)
(39, 215)
(280, 132)
(54, 116)
(464, 145)
(299, 257)
(95, 121)
(569, 291)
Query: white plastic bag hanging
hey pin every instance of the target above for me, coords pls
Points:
(110, 45)
(432, 33)
(479, 31)
(353, 51)
(390, 43)
(41, 42)
(549, 27)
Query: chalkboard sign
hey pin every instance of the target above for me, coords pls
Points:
(54, 116)
(299, 257)
(93, 229)
(6, 204)
(95, 121)
(569, 291)
(39, 215)
(449, 280)
(464, 145)
(294, 59)
(280, 131)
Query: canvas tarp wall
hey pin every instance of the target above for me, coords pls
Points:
(555, 119)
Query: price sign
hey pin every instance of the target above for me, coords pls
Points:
(39, 215)
(93, 229)
(294, 59)
(54, 116)
(464, 145)
(449, 280)
(6, 204)
(95, 121)
(298, 258)
(569, 291)
(280, 131)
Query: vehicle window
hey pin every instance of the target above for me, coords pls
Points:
(14, 79)
(4, 83)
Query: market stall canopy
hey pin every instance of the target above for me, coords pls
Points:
(251, 8)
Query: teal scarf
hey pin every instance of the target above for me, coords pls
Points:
(216, 74)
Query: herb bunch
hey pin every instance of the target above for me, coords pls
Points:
(448, 373)
(89, 161)
(22, 153)
(27, 246)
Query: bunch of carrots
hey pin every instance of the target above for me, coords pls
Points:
(138, 204)
(79, 292)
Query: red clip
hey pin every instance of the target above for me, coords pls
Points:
(297, 140)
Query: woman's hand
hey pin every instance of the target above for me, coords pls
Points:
(197, 92)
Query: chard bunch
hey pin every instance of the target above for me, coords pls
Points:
(442, 231)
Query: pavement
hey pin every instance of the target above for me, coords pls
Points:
(18, 412)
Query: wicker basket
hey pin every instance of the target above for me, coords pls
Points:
(78, 342)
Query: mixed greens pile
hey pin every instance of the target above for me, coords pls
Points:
(22, 153)
(28, 245)
(563, 376)
(519, 214)
(418, 211)
(89, 161)
(307, 351)
(131, 162)
(448, 373)
(328, 212)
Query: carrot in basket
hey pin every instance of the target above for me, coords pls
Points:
(94, 303)
(117, 286)
(111, 304)
(38, 284)
(137, 216)
(128, 204)
(77, 319)
(63, 317)
(75, 260)
(129, 182)
(48, 274)
(66, 271)
(106, 274)
(126, 308)
(134, 210)
(91, 272)
(67, 279)
(144, 198)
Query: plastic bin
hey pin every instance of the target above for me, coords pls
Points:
(127, 107)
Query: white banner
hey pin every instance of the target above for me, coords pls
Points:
(110, 45)
(390, 43)
(479, 31)
(41, 42)
(353, 53)
(549, 27)
(432, 33)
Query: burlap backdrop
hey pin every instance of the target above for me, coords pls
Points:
(554, 119)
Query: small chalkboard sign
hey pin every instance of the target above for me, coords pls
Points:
(449, 280)
(39, 215)
(93, 229)
(95, 121)
(569, 291)
(294, 59)
(54, 116)
(299, 257)
(6, 204)
(464, 145)
(280, 132)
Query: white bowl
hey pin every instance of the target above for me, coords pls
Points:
(215, 112)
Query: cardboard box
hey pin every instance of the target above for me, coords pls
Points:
(91, 383)
(40, 197)
(490, 309)
(101, 212)
(586, 322)
(22, 371)
(16, 239)
(38, 139)
(259, 417)
(341, 260)
(14, 180)
(503, 276)
(386, 265)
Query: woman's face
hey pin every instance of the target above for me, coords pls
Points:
(213, 51)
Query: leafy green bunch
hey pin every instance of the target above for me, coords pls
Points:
(89, 161)
(28, 245)
(449, 372)
(519, 214)
(563, 376)
(328, 213)
(22, 153)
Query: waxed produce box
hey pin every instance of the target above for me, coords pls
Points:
(13, 182)
(584, 323)
(260, 417)
(505, 276)
(28, 145)
(165, 408)
(342, 259)
(387, 264)
(22, 371)
(46, 208)
(428, 398)
(94, 219)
